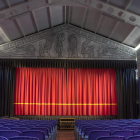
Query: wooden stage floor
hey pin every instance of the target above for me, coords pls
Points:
(65, 135)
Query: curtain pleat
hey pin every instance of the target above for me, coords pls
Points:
(91, 91)
(6, 91)
(126, 93)
(40, 91)
(52, 92)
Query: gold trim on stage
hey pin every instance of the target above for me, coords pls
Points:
(62, 104)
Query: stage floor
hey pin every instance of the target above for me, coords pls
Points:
(65, 135)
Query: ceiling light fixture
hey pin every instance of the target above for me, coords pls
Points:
(137, 47)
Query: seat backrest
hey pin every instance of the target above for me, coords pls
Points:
(46, 126)
(9, 133)
(44, 129)
(135, 128)
(24, 138)
(10, 126)
(134, 138)
(103, 126)
(35, 133)
(113, 128)
(85, 126)
(3, 138)
(137, 132)
(124, 133)
(121, 125)
(93, 135)
(28, 126)
(4, 128)
(89, 129)
(111, 138)
(21, 129)
(79, 125)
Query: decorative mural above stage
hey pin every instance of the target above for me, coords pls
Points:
(66, 41)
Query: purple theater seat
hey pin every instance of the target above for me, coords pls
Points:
(10, 125)
(134, 138)
(21, 129)
(113, 128)
(134, 128)
(24, 138)
(9, 133)
(111, 138)
(50, 124)
(121, 125)
(46, 126)
(28, 126)
(124, 133)
(103, 126)
(4, 128)
(3, 138)
(93, 135)
(44, 129)
(137, 132)
(35, 133)
(87, 130)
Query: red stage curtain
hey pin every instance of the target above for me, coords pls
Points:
(50, 91)
(92, 91)
(38, 89)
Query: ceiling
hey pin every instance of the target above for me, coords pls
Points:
(86, 17)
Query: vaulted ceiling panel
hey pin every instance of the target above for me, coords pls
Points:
(16, 2)
(27, 24)
(3, 4)
(119, 3)
(76, 15)
(106, 25)
(3, 37)
(16, 26)
(134, 38)
(11, 29)
(41, 18)
(122, 31)
(92, 19)
(56, 13)
(103, 0)
(135, 7)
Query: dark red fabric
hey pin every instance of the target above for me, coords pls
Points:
(94, 89)
(38, 89)
(48, 91)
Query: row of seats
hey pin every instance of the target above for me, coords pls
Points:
(28, 129)
(92, 130)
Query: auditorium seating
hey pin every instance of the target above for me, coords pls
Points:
(3, 138)
(24, 138)
(124, 133)
(84, 129)
(28, 129)
(35, 133)
(111, 138)
(134, 138)
(107, 129)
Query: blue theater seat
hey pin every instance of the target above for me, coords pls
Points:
(9, 133)
(35, 133)
(111, 138)
(23, 138)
